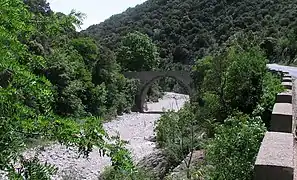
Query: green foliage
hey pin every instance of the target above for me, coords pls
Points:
(120, 91)
(96, 100)
(206, 113)
(47, 89)
(139, 174)
(138, 53)
(234, 77)
(66, 70)
(231, 154)
(234, 80)
(15, 18)
(185, 29)
(122, 164)
(38, 6)
(271, 87)
(120, 157)
(32, 169)
(87, 49)
(244, 77)
(178, 133)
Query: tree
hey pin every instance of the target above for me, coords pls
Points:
(28, 97)
(88, 49)
(138, 53)
(235, 77)
(39, 6)
(204, 25)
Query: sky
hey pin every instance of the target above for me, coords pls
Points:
(96, 10)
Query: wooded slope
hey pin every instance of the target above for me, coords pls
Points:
(186, 29)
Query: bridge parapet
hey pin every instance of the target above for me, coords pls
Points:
(147, 76)
(275, 159)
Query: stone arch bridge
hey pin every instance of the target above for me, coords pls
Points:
(147, 78)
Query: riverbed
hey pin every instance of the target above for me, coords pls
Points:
(135, 128)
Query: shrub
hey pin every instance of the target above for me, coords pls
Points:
(122, 164)
(111, 174)
(178, 134)
(243, 79)
(96, 100)
(206, 113)
(235, 77)
(231, 154)
(271, 86)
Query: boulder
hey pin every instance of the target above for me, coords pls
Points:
(156, 163)
(180, 172)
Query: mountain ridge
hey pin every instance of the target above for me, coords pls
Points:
(185, 30)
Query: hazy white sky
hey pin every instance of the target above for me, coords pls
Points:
(96, 10)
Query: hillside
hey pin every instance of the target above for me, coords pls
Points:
(58, 89)
(186, 29)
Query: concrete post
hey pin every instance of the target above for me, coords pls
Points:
(275, 159)
(287, 79)
(284, 97)
(287, 85)
(281, 118)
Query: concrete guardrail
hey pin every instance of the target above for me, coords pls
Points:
(275, 159)
(287, 79)
(281, 118)
(284, 97)
(287, 85)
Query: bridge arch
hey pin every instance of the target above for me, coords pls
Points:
(147, 78)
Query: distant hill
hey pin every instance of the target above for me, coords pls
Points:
(186, 29)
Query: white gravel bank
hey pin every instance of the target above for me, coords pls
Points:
(134, 128)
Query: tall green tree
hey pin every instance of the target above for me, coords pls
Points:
(138, 53)
(87, 49)
(234, 78)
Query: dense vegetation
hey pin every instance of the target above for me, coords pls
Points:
(57, 86)
(186, 29)
(60, 85)
(234, 97)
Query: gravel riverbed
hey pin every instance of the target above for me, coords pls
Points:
(136, 128)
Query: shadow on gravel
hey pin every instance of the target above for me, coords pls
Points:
(154, 112)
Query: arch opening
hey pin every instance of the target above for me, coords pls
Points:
(141, 100)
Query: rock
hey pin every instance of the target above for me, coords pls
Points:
(151, 138)
(156, 163)
(180, 172)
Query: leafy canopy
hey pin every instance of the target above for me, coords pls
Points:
(138, 53)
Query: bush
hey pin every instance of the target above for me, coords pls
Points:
(231, 154)
(111, 174)
(243, 79)
(96, 100)
(178, 134)
(235, 77)
(122, 164)
(271, 86)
